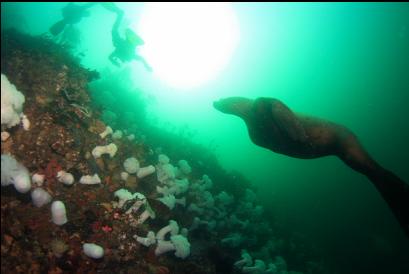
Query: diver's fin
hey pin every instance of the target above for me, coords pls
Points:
(111, 6)
(396, 194)
(58, 27)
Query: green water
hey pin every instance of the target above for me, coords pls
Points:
(343, 62)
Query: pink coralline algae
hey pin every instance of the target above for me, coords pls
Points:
(96, 226)
(52, 169)
(106, 228)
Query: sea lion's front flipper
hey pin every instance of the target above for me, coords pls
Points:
(284, 119)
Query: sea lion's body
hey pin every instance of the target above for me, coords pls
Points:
(272, 125)
(303, 137)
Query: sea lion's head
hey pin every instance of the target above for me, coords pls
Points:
(239, 106)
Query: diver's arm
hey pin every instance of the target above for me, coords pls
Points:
(141, 59)
(113, 59)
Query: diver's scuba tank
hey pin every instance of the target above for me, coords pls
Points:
(133, 38)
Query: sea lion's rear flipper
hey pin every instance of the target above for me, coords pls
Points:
(396, 194)
(393, 190)
(283, 118)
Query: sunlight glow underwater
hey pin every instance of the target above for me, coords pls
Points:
(188, 44)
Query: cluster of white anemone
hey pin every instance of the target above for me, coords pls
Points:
(173, 180)
(177, 242)
(247, 265)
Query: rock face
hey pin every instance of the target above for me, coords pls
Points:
(64, 129)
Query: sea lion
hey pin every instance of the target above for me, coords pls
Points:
(272, 125)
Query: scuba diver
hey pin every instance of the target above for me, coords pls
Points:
(72, 14)
(125, 47)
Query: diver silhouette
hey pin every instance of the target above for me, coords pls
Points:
(125, 47)
(72, 14)
(272, 125)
